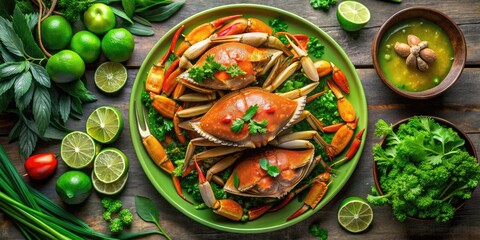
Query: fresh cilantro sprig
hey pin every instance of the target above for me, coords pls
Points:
(323, 4)
(315, 48)
(271, 170)
(254, 127)
(207, 71)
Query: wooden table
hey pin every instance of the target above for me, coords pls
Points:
(460, 105)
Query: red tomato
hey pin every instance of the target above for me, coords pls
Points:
(41, 166)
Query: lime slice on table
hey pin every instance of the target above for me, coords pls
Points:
(354, 214)
(77, 149)
(110, 77)
(352, 15)
(109, 188)
(110, 165)
(105, 124)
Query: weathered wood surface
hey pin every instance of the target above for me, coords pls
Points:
(460, 105)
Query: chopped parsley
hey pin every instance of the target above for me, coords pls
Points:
(200, 73)
(323, 4)
(315, 48)
(255, 127)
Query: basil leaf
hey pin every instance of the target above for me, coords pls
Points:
(146, 209)
(6, 8)
(264, 163)
(22, 84)
(27, 140)
(128, 7)
(23, 101)
(32, 20)
(15, 132)
(139, 30)
(5, 99)
(250, 113)
(64, 104)
(273, 171)
(106, 1)
(6, 55)
(162, 13)
(6, 85)
(78, 89)
(23, 30)
(9, 38)
(141, 20)
(147, 5)
(11, 68)
(121, 14)
(54, 133)
(40, 75)
(76, 106)
(236, 180)
(41, 109)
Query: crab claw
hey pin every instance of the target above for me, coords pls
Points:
(316, 193)
(307, 63)
(164, 105)
(242, 25)
(345, 107)
(353, 148)
(340, 79)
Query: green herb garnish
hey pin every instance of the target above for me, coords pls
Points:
(200, 73)
(315, 48)
(254, 127)
(318, 232)
(236, 180)
(322, 4)
(271, 170)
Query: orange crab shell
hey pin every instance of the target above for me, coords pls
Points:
(279, 112)
(228, 54)
(255, 182)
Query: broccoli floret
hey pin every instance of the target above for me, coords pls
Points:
(107, 216)
(106, 202)
(116, 225)
(126, 216)
(115, 206)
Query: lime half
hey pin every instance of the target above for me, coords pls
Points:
(109, 188)
(77, 149)
(352, 15)
(110, 165)
(354, 214)
(110, 77)
(105, 124)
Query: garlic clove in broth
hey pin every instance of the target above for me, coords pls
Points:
(428, 55)
(411, 61)
(415, 51)
(422, 65)
(423, 44)
(413, 40)
(402, 49)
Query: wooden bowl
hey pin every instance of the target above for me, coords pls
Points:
(468, 146)
(449, 27)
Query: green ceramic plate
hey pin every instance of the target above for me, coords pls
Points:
(270, 221)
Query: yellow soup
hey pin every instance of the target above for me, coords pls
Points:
(410, 78)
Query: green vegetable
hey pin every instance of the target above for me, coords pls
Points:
(74, 187)
(73, 10)
(147, 211)
(126, 216)
(318, 232)
(278, 25)
(315, 48)
(116, 226)
(271, 170)
(323, 4)
(107, 216)
(26, 90)
(36, 215)
(424, 169)
(210, 67)
(254, 127)
(158, 125)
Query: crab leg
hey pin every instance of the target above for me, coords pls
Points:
(341, 139)
(307, 63)
(156, 75)
(241, 25)
(255, 39)
(299, 92)
(353, 149)
(292, 140)
(202, 32)
(197, 97)
(223, 164)
(345, 108)
(314, 196)
(340, 79)
(224, 207)
(286, 73)
(194, 111)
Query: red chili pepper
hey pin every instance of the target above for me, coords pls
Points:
(269, 109)
(40, 166)
(227, 119)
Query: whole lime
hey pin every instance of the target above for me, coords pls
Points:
(74, 187)
(56, 32)
(65, 66)
(118, 45)
(87, 45)
(99, 18)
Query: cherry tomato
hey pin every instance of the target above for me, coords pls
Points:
(40, 166)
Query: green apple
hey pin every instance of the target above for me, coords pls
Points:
(99, 18)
